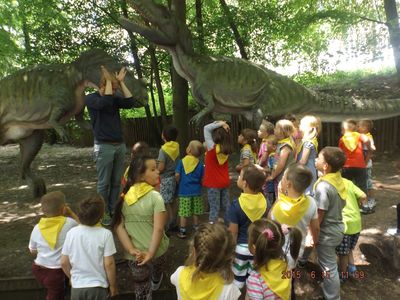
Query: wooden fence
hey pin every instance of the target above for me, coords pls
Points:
(386, 133)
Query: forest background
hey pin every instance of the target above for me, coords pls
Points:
(313, 41)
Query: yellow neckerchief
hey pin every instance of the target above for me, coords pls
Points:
(369, 135)
(189, 163)
(288, 210)
(272, 275)
(336, 180)
(172, 149)
(287, 141)
(314, 141)
(98, 224)
(204, 287)
(221, 157)
(50, 229)
(271, 154)
(350, 140)
(253, 205)
(247, 146)
(137, 191)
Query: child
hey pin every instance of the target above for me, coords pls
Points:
(138, 149)
(266, 130)
(285, 150)
(139, 222)
(87, 255)
(189, 175)
(248, 154)
(330, 194)
(270, 279)
(310, 127)
(269, 188)
(294, 208)
(47, 239)
(250, 206)
(352, 144)
(167, 160)
(207, 272)
(216, 172)
(297, 135)
(352, 227)
(365, 127)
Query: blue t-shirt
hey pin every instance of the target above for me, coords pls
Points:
(237, 216)
(190, 184)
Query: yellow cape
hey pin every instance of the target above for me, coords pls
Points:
(189, 163)
(288, 210)
(172, 149)
(137, 191)
(253, 205)
(221, 157)
(288, 141)
(336, 180)
(350, 140)
(314, 141)
(50, 229)
(272, 274)
(204, 287)
(247, 146)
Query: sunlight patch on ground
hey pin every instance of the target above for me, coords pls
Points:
(9, 217)
(46, 167)
(18, 188)
(59, 184)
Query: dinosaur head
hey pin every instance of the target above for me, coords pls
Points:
(89, 64)
(160, 25)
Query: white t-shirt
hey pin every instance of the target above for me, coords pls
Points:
(311, 214)
(47, 257)
(86, 247)
(229, 291)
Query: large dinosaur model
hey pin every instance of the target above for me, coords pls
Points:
(237, 86)
(47, 96)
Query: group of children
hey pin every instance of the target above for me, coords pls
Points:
(283, 210)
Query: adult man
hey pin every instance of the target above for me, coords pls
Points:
(109, 147)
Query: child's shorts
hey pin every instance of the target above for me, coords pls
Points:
(189, 206)
(348, 243)
(168, 189)
(242, 265)
(369, 179)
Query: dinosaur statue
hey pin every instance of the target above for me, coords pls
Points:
(47, 96)
(237, 86)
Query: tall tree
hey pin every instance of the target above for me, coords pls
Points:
(392, 18)
(180, 86)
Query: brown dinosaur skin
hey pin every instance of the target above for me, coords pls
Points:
(236, 86)
(47, 96)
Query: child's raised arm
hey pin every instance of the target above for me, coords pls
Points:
(68, 212)
(208, 129)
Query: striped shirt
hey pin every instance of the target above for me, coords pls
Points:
(258, 289)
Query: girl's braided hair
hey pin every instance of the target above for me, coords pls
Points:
(267, 237)
(212, 250)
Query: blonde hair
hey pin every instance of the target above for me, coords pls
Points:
(286, 127)
(268, 127)
(311, 122)
(52, 203)
(212, 250)
(196, 148)
(367, 123)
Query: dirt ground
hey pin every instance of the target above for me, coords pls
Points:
(71, 171)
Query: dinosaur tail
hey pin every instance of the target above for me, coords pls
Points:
(335, 109)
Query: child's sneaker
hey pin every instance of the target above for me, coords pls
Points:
(106, 220)
(365, 210)
(351, 269)
(155, 285)
(371, 203)
(182, 233)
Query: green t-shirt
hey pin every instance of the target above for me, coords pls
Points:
(351, 212)
(139, 218)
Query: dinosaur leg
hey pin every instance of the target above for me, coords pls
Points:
(29, 148)
(54, 121)
(203, 96)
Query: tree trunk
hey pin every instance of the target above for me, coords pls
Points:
(25, 30)
(200, 26)
(392, 18)
(160, 92)
(236, 34)
(153, 101)
(180, 86)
